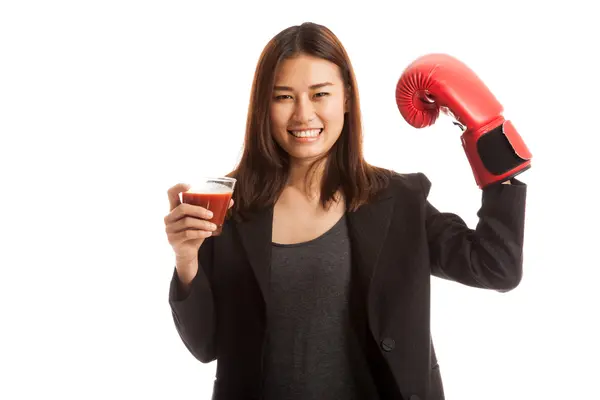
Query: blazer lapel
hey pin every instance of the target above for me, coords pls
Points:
(368, 227)
(256, 233)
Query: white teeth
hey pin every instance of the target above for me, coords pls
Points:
(307, 133)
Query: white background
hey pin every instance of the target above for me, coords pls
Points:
(106, 104)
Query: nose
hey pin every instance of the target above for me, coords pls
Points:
(304, 110)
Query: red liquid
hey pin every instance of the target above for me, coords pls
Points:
(215, 202)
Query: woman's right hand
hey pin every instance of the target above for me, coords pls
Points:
(187, 227)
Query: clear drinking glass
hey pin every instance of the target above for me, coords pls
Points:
(214, 194)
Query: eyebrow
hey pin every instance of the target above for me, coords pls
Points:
(315, 86)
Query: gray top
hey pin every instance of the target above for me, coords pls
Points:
(309, 348)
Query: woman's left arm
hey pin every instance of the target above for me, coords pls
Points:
(489, 256)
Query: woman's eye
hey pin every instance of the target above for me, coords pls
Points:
(287, 96)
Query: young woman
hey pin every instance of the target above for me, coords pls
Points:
(318, 286)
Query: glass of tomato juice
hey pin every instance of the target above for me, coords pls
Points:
(214, 194)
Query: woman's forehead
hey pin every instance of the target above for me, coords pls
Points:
(302, 72)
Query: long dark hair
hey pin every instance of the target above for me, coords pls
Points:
(263, 169)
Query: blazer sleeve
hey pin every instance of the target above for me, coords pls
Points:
(489, 256)
(194, 315)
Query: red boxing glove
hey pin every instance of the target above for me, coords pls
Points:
(495, 150)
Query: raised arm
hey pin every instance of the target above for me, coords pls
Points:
(489, 256)
(193, 307)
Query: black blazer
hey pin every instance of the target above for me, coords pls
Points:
(398, 242)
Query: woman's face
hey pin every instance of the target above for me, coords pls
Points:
(307, 108)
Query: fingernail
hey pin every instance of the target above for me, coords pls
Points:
(210, 214)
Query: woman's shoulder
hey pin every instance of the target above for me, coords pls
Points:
(403, 183)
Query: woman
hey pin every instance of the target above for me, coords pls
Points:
(318, 286)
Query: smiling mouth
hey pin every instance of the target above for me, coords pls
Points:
(306, 133)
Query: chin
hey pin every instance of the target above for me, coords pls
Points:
(305, 157)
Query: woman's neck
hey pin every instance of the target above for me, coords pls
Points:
(297, 179)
